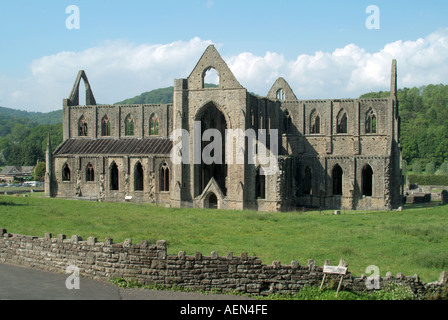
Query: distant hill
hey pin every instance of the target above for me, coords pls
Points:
(53, 117)
(157, 96)
(423, 112)
(23, 135)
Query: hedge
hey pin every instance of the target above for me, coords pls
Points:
(428, 180)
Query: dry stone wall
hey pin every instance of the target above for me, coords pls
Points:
(150, 264)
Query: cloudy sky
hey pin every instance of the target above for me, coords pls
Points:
(323, 48)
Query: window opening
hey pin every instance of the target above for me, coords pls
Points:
(90, 173)
(337, 180)
(165, 177)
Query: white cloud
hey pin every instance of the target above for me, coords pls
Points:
(119, 70)
(116, 70)
(349, 71)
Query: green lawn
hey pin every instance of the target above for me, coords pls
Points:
(411, 241)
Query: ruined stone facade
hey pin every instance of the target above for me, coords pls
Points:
(337, 154)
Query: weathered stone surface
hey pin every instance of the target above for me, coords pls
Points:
(444, 197)
(333, 153)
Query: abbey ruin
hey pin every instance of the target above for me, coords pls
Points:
(329, 154)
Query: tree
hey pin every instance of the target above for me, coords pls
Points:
(39, 171)
(404, 169)
(430, 168)
(443, 169)
(416, 167)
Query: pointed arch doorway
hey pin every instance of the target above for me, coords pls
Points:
(211, 201)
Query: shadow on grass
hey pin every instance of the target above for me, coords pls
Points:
(423, 205)
(12, 204)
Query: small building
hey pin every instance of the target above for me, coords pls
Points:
(16, 173)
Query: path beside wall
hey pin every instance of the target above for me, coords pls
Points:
(150, 264)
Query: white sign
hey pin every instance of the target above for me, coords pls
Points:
(335, 270)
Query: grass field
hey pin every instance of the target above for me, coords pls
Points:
(414, 241)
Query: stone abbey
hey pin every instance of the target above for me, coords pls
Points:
(332, 153)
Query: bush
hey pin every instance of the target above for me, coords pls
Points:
(443, 169)
(430, 168)
(394, 291)
(391, 291)
(437, 294)
(417, 167)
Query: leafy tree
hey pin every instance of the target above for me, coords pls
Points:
(22, 141)
(39, 172)
(430, 168)
(416, 167)
(443, 169)
(405, 167)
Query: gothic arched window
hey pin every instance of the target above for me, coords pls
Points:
(287, 124)
(82, 127)
(280, 95)
(66, 176)
(154, 126)
(210, 76)
(138, 177)
(165, 177)
(314, 122)
(260, 185)
(370, 122)
(105, 126)
(337, 175)
(90, 173)
(367, 181)
(129, 126)
(342, 122)
(114, 177)
(307, 182)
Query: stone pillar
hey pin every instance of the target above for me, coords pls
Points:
(48, 169)
(179, 119)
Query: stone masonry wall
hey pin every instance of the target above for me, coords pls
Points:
(150, 264)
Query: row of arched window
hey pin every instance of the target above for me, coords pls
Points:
(341, 122)
(129, 124)
(114, 185)
(337, 175)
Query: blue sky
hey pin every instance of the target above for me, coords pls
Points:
(268, 34)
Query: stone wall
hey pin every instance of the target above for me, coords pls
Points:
(150, 264)
(117, 114)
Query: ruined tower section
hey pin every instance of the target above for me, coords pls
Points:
(49, 172)
(73, 100)
(180, 195)
(396, 163)
(204, 178)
